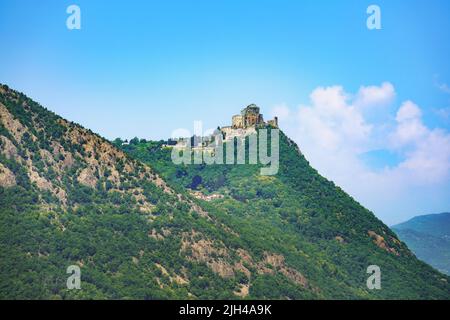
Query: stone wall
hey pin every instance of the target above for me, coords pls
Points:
(230, 132)
(237, 121)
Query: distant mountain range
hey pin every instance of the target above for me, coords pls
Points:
(140, 227)
(428, 236)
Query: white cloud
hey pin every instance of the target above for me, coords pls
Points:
(333, 133)
(409, 125)
(375, 95)
(408, 110)
(331, 122)
(429, 161)
(427, 150)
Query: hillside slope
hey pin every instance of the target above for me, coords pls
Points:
(428, 237)
(69, 197)
(316, 227)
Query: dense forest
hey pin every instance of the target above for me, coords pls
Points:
(140, 227)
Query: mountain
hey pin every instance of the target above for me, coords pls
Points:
(428, 236)
(140, 227)
(311, 223)
(69, 197)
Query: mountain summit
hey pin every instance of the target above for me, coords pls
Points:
(140, 227)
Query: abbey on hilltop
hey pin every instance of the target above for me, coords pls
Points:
(250, 117)
(242, 125)
(246, 123)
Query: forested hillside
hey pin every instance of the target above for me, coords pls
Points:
(311, 222)
(140, 227)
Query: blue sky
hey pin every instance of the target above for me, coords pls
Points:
(146, 68)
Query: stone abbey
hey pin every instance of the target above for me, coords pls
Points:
(209, 149)
(251, 117)
(246, 123)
